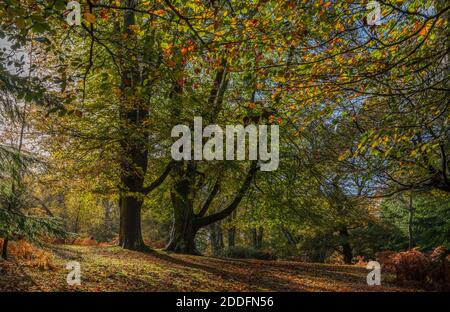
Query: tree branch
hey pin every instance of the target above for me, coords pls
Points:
(204, 221)
(160, 179)
(210, 198)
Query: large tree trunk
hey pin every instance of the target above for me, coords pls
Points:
(131, 199)
(346, 248)
(130, 236)
(185, 222)
(182, 238)
(134, 151)
(182, 235)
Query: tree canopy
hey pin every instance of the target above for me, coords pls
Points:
(363, 114)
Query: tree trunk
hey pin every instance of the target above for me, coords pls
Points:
(346, 248)
(216, 238)
(185, 222)
(182, 235)
(134, 151)
(60, 200)
(76, 224)
(220, 242)
(213, 240)
(293, 241)
(253, 234)
(231, 237)
(183, 241)
(5, 248)
(257, 236)
(130, 236)
(107, 220)
(232, 231)
(410, 222)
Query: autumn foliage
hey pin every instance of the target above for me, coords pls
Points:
(431, 271)
(89, 113)
(439, 269)
(28, 255)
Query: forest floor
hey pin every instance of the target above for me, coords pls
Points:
(115, 269)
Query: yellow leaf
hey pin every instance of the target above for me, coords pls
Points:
(424, 31)
(160, 12)
(89, 17)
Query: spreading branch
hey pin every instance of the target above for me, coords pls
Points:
(210, 199)
(160, 179)
(204, 221)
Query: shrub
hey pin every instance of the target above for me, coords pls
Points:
(360, 261)
(431, 270)
(85, 241)
(335, 258)
(56, 240)
(386, 260)
(240, 252)
(411, 265)
(29, 255)
(438, 275)
(114, 241)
